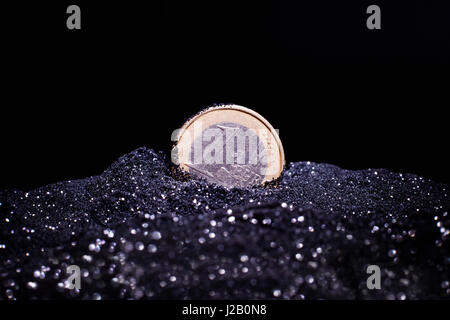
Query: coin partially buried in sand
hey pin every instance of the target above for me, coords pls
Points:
(229, 145)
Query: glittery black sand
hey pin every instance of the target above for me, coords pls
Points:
(136, 232)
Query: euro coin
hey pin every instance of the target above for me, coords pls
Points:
(229, 145)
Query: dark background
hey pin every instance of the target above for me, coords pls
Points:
(74, 101)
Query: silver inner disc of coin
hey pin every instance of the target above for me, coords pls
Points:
(228, 154)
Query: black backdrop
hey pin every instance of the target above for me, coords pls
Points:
(74, 101)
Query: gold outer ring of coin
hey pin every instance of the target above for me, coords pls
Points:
(234, 114)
